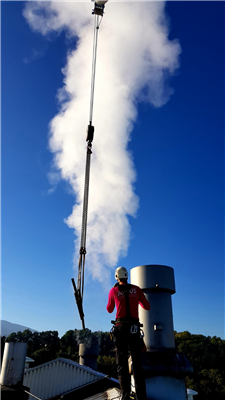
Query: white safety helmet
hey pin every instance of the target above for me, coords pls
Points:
(121, 273)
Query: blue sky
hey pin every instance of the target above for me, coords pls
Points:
(178, 153)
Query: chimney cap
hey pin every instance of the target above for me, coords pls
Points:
(154, 277)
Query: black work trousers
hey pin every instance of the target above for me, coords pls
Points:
(125, 341)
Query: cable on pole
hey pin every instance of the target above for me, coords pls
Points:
(94, 58)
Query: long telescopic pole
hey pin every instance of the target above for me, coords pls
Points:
(79, 289)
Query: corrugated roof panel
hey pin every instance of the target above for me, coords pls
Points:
(58, 376)
(109, 394)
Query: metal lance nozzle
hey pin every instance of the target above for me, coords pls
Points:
(99, 7)
(79, 302)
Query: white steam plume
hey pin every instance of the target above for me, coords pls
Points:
(134, 57)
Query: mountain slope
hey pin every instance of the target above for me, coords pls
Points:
(8, 327)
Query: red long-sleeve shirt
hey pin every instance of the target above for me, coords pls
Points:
(117, 298)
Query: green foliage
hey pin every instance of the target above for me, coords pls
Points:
(69, 346)
(107, 346)
(211, 383)
(207, 356)
(107, 365)
(41, 346)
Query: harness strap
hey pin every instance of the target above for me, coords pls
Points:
(126, 292)
(128, 319)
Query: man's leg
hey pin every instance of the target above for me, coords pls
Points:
(122, 364)
(135, 349)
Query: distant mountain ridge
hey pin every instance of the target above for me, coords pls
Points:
(7, 328)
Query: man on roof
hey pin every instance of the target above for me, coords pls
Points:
(126, 298)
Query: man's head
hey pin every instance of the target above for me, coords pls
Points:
(121, 274)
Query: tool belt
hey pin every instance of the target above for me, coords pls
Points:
(127, 320)
(129, 323)
(132, 324)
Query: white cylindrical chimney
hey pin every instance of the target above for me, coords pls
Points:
(13, 363)
(164, 368)
(157, 283)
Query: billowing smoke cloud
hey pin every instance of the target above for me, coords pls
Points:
(135, 59)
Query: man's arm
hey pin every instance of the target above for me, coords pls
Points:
(144, 303)
(111, 302)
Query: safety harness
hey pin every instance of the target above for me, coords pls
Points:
(133, 323)
(126, 292)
